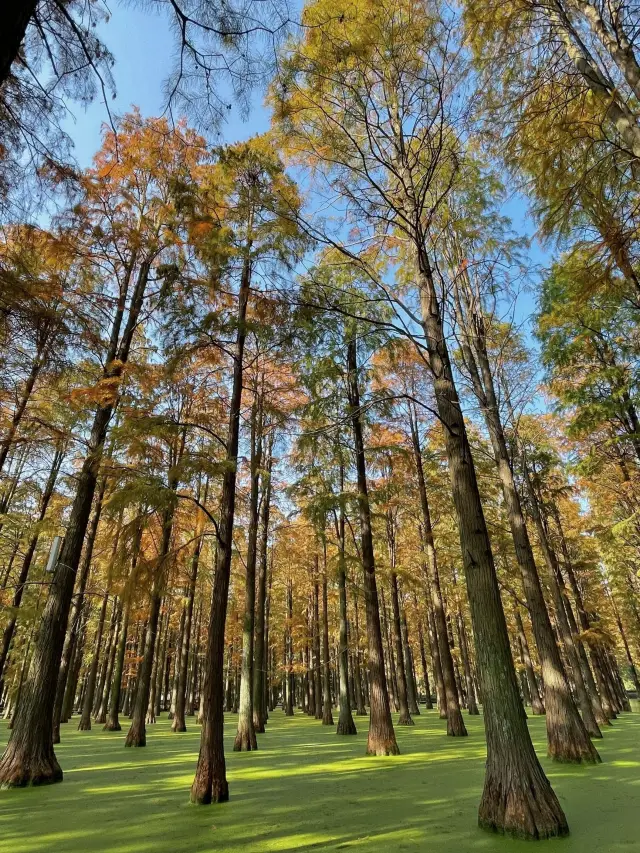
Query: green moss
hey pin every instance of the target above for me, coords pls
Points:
(307, 789)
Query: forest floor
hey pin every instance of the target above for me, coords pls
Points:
(306, 789)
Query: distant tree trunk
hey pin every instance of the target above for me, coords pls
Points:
(537, 706)
(210, 782)
(327, 716)
(62, 709)
(361, 711)
(245, 740)
(405, 716)
(104, 679)
(346, 725)
(260, 649)
(289, 687)
(137, 734)
(472, 705)
(589, 681)
(317, 664)
(425, 670)
(179, 723)
(455, 722)
(409, 667)
(382, 738)
(85, 719)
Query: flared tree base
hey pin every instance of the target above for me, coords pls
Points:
(346, 726)
(20, 771)
(178, 725)
(382, 745)
(84, 726)
(245, 740)
(455, 724)
(112, 726)
(327, 718)
(571, 746)
(205, 791)
(136, 737)
(405, 720)
(524, 806)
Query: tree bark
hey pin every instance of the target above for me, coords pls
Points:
(210, 782)
(382, 738)
(517, 798)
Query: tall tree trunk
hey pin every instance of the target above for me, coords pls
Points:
(382, 738)
(29, 757)
(346, 725)
(409, 667)
(179, 723)
(569, 751)
(567, 736)
(517, 798)
(405, 716)
(246, 735)
(260, 649)
(137, 734)
(327, 716)
(425, 670)
(210, 782)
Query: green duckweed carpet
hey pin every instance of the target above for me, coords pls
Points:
(306, 789)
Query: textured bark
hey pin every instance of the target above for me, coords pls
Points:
(567, 737)
(517, 798)
(210, 782)
(382, 738)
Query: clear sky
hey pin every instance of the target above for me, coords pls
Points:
(144, 49)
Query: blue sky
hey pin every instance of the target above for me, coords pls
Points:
(144, 49)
